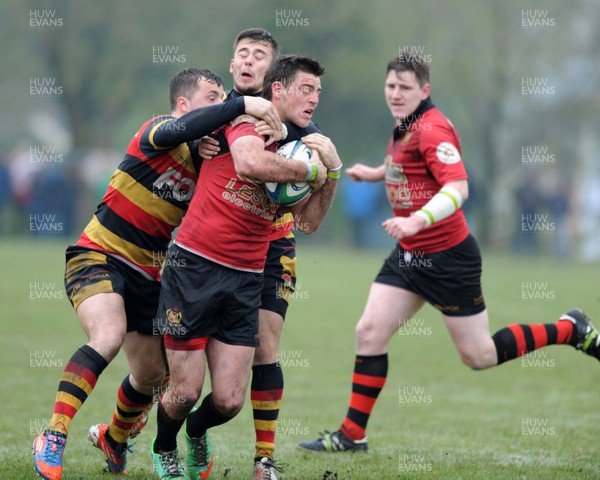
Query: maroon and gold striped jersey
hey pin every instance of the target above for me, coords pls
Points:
(150, 190)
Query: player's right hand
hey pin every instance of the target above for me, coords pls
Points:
(208, 148)
(402, 227)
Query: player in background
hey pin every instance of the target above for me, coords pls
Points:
(436, 259)
(112, 272)
(254, 50)
(208, 309)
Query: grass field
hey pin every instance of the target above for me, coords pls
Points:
(535, 418)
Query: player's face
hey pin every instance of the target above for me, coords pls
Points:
(403, 93)
(207, 94)
(299, 99)
(249, 64)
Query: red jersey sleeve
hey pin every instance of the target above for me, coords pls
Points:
(440, 147)
(240, 127)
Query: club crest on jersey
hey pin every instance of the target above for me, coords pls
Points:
(447, 153)
(243, 119)
(174, 316)
(406, 138)
(394, 173)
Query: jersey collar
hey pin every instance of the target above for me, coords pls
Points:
(402, 128)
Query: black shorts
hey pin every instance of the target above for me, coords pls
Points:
(280, 275)
(89, 272)
(200, 298)
(449, 281)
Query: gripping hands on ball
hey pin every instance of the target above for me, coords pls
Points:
(324, 147)
(291, 193)
(321, 177)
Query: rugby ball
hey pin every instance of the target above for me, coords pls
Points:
(287, 194)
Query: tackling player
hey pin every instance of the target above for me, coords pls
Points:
(436, 259)
(112, 272)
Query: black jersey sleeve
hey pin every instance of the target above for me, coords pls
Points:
(193, 125)
(296, 133)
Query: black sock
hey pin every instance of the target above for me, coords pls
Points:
(167, 430)
(205, 417)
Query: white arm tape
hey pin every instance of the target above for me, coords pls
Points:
(443, 204)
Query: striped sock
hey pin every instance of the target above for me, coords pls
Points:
(516, 340)
(77, 382)
(266, 392)
(130, 405)
(370, 373)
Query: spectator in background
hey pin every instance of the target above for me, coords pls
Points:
(529, 202)
(364, 204)
(588, 216)
(53, 190)
(557, 200)
(22, 174)
(4, 195)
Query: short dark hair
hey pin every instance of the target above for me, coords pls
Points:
(184, 83)
(259, 35)
(410, 63)
(285, 68)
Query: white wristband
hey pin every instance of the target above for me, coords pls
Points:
(285, 131)
(443, 204)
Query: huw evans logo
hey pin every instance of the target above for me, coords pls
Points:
(44, 19)
(290, 19)
(44, 87)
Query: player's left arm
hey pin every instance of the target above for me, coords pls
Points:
(193, 125)
(309, 215)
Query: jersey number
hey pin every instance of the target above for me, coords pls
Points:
(171, 182)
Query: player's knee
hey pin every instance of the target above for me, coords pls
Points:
(266, 353)
(476, 360)
(369, 337)
(150, 377)
(183, 396)
(230, 406)
(107, 344)
(363, 329)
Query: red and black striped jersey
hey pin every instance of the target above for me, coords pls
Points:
(150, 190)
(422, 156)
